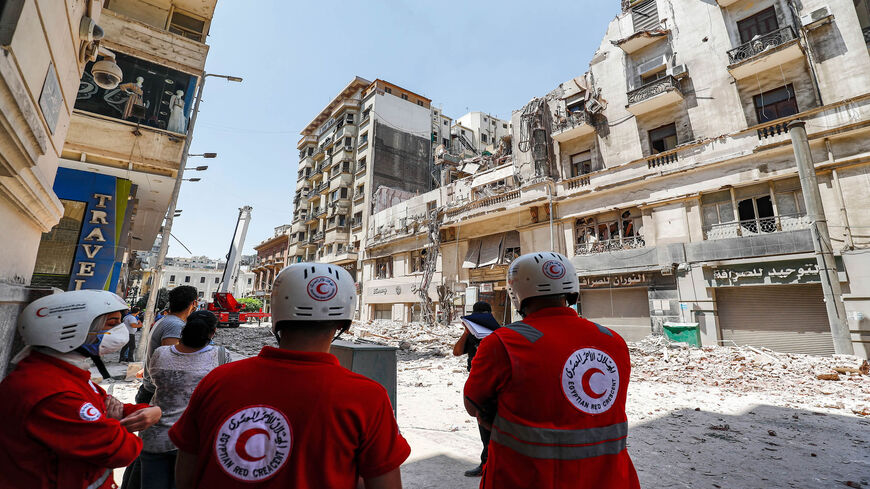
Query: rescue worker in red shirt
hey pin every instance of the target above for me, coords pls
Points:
(59, 429)
(553, 388)
(292, 416)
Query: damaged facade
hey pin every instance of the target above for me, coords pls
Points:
(667, 174)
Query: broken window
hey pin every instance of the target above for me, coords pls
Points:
(663, 138)
(757, 25)
(416, 264)
(384, 267)
(581, 163)
(594, 235)
(510, 248)
(775, 104)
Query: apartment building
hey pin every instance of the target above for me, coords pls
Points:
(369, 148)
(206, 281)
(667, 173)
(273, 254)
(478, 132)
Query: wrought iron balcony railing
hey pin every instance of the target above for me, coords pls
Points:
(609, 245)
(653, 88)
(753, 227)
(760, 44)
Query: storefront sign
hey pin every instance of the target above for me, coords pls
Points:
(770, 273)
(627, 280)
(97, 260)
(486, 287)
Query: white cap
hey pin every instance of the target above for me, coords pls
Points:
(62, 321)
(540, 274)
(313, 292)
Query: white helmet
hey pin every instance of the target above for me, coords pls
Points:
(313, 292)
(64, 321)
(539, 274)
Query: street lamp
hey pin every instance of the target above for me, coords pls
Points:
(173, 201)
(197, 168)
(194, 179)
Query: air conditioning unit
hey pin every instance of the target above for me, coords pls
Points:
(594, 106)
(680, 71)
(817, 17)
(651, 65)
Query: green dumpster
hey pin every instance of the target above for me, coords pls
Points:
(683, 332)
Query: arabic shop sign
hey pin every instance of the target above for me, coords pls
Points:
(770, 273)
(612, 281)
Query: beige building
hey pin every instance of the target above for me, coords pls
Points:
(667, 174)
(66, 121)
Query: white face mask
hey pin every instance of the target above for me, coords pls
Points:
(114, 339)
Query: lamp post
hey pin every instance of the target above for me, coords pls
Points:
(170, 215)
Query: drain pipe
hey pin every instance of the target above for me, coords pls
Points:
(551, 183)
(821, 239)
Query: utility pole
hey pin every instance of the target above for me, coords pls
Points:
(821, 239)
(170, 215)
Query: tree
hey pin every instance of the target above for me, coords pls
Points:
(251, 304)
(162, 300)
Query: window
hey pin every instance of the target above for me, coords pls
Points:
(404, 96)
(775, 104)
(417, 261)
(364, 139)
(504, 126)
(463, 132)
(187, 26)
(249, 281)
(644, 15)
(384, 267)
(755, 214)
(581, 163)
(445, 142)
(343, 192)
(663, 138)
(388, 90)
(345, 167)
(366, 114)
(420, 103)
(349, 118)
(357, 219)
(342, 221)
(339, 249)
(171, 278)
(651, 77)
(202, 280)
(758, 25)
(201, 294)
(217, 280)
(187, 279)
(445, 123)
(617, 232)
(361, 163)
(483, 138)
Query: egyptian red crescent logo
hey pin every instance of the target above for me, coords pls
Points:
(242, 443)
(554, 269)
(41, 312)
(322, 288)
(88, 412)
(590, 380)
(254, 443)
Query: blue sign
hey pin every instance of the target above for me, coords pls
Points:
(98, 260)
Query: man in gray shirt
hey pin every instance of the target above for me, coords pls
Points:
(182, 301)
(131, 321)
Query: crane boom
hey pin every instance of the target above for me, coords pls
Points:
(234, 257)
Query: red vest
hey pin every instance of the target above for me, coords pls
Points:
(561, 419)
(55, 432)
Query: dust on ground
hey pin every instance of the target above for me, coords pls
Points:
(717, 417)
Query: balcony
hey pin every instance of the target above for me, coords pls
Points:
(642, 39)
(655, 95)
(318, 213)
(758, 226)
(355, 224)
(318, 236)
(577, 182)
(312, 196)
(485, 202)
(323, 187)
(311, 218)
(360, 169)
(358, 197)
(763, 53)
(610, 245)
(572, 126)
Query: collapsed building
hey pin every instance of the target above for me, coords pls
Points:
(667, 174)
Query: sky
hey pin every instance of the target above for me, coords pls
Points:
(295, 56)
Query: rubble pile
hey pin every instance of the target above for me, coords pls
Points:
(418, 337)
(836, 382)
(246, 340)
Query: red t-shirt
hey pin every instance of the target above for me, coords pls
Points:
(289, 419)
(55, 432)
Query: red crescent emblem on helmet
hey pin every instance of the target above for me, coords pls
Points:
(242, 442)
(322, 288)
(588, 388)
(40, 313)
(554, 269)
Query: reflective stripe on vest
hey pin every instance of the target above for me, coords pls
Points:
(99, 482)
(603, 329)
(560, 444)
(526, 331)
